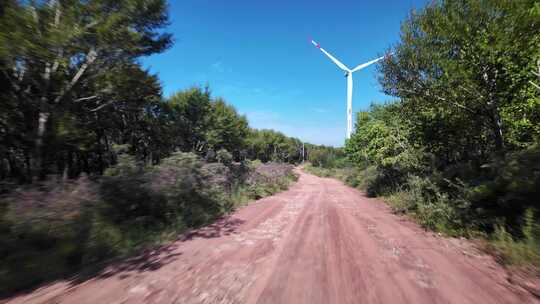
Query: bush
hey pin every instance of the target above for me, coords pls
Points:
(432, 207)
(57, 228)
(327, 157)
(223, 156)
(522, 252)
(45, 231)
(264, 180)
(175, 193)
(506, 188)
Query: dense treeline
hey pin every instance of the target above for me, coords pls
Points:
(72, 90)
(459, 150)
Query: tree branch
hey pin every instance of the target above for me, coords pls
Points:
(102, 106)
(85, 98)
(90, 58)
(428, 94)
(60, 51)
(36, 18)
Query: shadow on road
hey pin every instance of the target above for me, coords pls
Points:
(154, 259)
(147, 260)
(224, 226)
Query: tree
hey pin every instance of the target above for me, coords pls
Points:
(383, 138)
(228, 130)
(190, 110)
(460, 69)
(53, 51)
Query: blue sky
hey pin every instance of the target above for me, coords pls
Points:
(256, 55)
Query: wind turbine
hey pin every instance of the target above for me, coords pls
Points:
(348, 74)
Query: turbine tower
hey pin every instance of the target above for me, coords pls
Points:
(348, 74)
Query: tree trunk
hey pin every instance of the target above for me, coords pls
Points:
(492, 102)
(498, 132)
(38, 164)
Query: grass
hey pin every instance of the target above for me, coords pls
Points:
(523, 252)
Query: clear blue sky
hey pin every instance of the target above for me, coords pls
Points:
(256, 55)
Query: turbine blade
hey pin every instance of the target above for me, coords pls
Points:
(363, 65)
(337, 62)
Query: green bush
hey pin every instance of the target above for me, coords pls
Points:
(425, 201)
(223, 156)
(506, 188)
(326, 157)
(523, 251)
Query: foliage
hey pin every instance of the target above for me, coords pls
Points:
(189, 111)
(458, 150)
(522, 252)
(460, 68)
(263, 180)
(173, 193)
(64, 64)
(270, 145)
(229, 129)
(62, 227)
(224, 157)
(326, 157)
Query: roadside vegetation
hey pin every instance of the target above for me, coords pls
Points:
(95, 163)
(459, 149)
(56, 228)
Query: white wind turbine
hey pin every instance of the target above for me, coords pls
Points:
(348, 74)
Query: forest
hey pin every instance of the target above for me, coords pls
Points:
(73, 88)
(459, 147)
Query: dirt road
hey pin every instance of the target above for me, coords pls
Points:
(319, 242)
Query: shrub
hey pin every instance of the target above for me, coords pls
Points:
(523, 251)
(326, 157)
(56, 228)
(223, 156)
(44, 231)
(433, 207)
(507, 188)
(265, 180)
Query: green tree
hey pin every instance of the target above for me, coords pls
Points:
(269, 145)
(53, 51)
(463, 67)
(381, 137)
(227, 129)
(190, 111)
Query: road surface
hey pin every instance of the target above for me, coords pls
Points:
(319, 242)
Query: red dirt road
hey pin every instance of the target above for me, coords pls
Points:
(319, 242)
